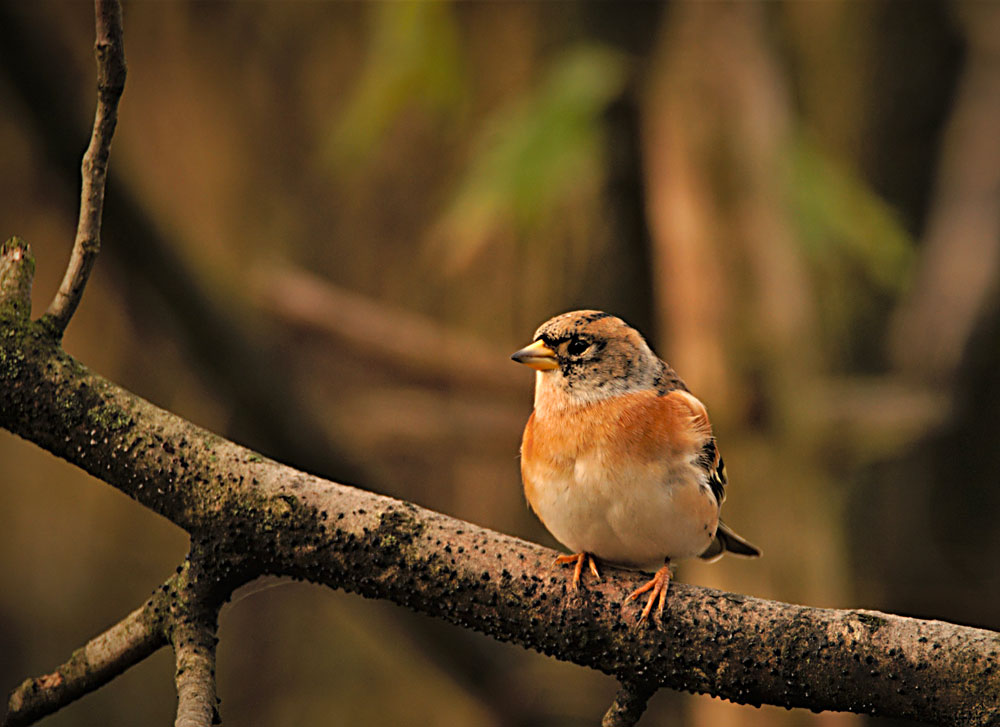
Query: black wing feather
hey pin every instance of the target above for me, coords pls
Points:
(711, 460)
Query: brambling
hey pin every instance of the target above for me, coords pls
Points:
(618, 458)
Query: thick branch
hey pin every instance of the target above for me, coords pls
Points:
(110, 53)
(256, 516)
(125, 644)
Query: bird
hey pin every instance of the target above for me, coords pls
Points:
(618, 457)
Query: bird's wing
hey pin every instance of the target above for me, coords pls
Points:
(725, 539)
(701, 430)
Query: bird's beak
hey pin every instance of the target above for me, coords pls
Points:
(538, 356)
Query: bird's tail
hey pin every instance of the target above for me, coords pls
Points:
(726, 541)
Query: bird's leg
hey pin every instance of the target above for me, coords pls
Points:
(658, 587)
(578, 560)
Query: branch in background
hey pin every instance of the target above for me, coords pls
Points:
(417, 345)
(255, 516)
(960, 256)
(110, 53)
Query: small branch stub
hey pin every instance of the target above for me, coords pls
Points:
(110, 53)
(629, 704)
(17, 270)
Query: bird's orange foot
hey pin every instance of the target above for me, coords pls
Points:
(578, 559)
(658, 591)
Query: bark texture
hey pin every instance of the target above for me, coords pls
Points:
(249, 516)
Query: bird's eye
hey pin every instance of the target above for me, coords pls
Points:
(577, 346)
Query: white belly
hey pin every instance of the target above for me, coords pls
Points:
(635, 517)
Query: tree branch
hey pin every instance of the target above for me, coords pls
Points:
(110, 52)
(184, 611)
(250, 516)
(104, 657)
(410, 342)
(194, 649)
(194, 623)
(959, 257)
(208, 324)
(253, 516)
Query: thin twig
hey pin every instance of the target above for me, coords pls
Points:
(102, 659)
(629, 704)
(110, 52)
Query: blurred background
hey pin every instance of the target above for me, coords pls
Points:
(329, 224)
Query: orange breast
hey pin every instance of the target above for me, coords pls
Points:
(638, 427)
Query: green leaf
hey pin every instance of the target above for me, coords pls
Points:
(415, 60)
(840, 216)
(860, 254)
(536, 156)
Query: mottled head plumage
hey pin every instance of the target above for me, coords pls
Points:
(595, 356)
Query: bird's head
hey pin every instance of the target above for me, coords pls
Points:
(589, 355)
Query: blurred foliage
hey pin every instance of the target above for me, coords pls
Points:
(538, 160)
(414, 60)
(859, 251)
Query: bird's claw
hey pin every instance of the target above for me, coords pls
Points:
(578, 559)
(657, 586)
